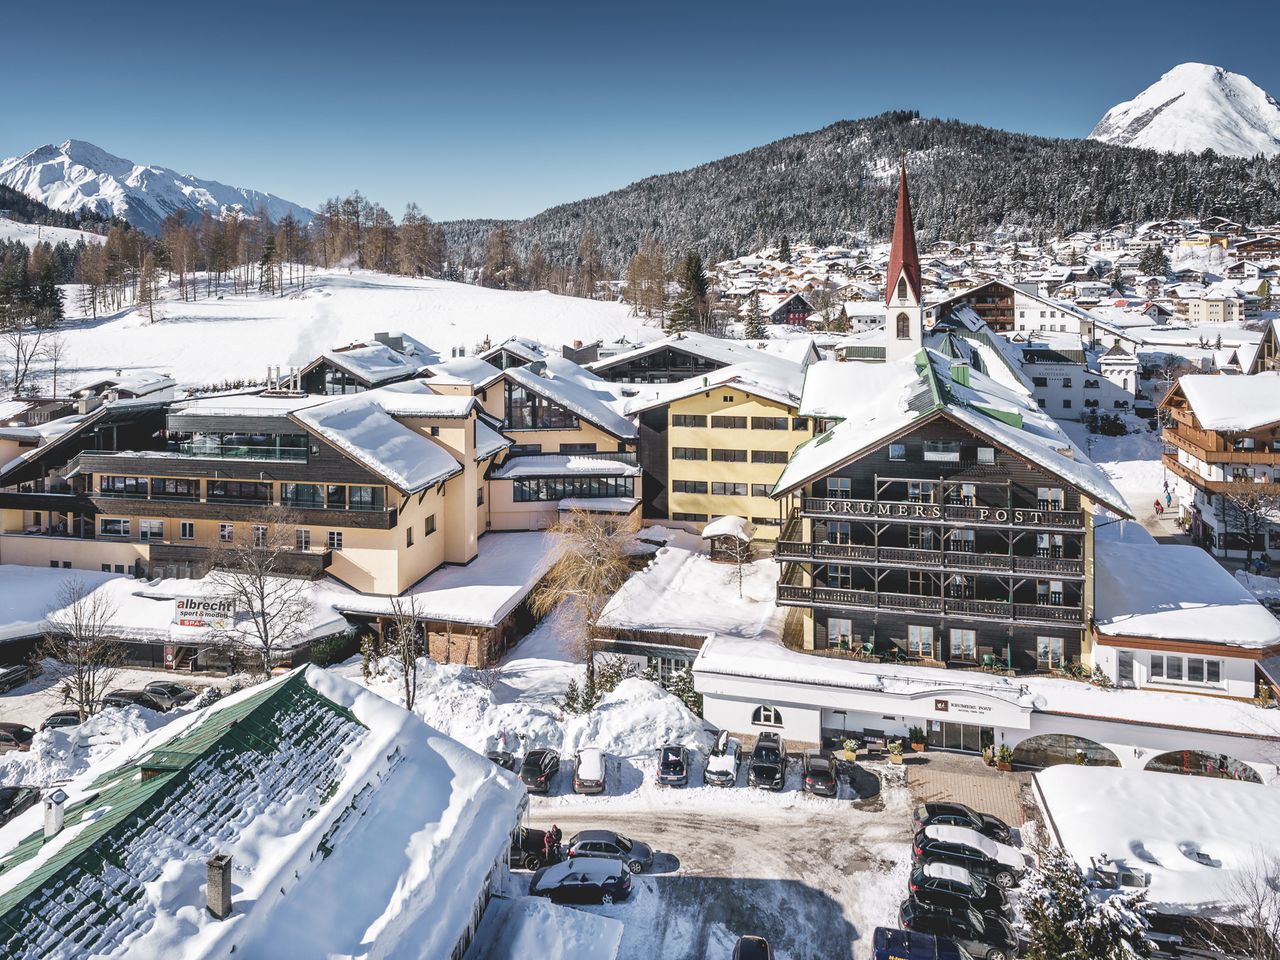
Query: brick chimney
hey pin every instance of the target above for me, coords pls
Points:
(219, 894)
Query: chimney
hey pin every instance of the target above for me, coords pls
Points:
(55, 802)
(219, 885)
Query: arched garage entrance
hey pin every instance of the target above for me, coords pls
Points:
(1197, 763)
(1051, 749)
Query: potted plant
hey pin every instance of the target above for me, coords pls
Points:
(989, 755)
(851, 747)
(895, 751)
(916, 735)
(1004, 758)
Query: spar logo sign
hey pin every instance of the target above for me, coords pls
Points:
(207, 612)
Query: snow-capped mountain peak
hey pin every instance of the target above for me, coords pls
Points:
(1193, 107)
(76, 174)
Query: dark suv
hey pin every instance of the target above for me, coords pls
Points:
(768, 767)
(538, 770)
(134, 698)
(990, 938)
(982, 857)
(819, 773)
(530, 850)
(673, 766)
(949, 885)
(960, 815)
(891, 944)
(13, 800)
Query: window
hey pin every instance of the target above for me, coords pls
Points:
(767, 717)
(728, 489)
(1050, 498)
(480, 496)
(688, 453)
(965, 494)
(577, 448)
(524, 449)
(1049, 592)
(1049, 545)
(186, 530)
(688, 420)
(690, 517)
(150, 530)
(839, 531)
(302, 538)
(365, 498)
(723, 455)
(122, 486)
(1048, 652)
(729, 423)
(839, 488)
(1186, 669)
(408, 536)
(239, 491)
(308, 496)
(259, 536)
(106, 568)
(1066, 404)
(964, 644)
(429, 525)
(920, 538)
(119, 568)
(1124, 667)
(768, 423)
(904, 326)
(920, 491)
(961, 586)
(766, 521)
(961, 540)
(945, 451)
(226, 532)
(840, 578)
(335, 497)
(334, 540)
(535, 490)
(1039, 381)
(760, 489)
(769, 456)
(164, 488)
(526, 410)
(920, 641)
(839, 629)
(799, 423)
(727, 398)
(902, 289)
(113, 527)
(688, 486)
(1066, 383)
(897, 451)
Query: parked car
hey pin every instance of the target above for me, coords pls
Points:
(967, 848)
(14, 676)
(133, 698)
(529, 849)
(819, 773)
(752, 948)
(539, 769)
(768, 767)
(961, 815)
(15, 736)
(588, 771)
(584, 880)
(13, 800)
(991, 938)
(673, 766)
(61, 720)
(170, 693)
(950, 885)
(507, 761)
(613, 846)
(724, 761)
(890, 944)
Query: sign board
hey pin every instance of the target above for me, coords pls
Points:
(210, 613)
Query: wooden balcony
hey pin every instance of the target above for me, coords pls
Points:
(910, 558)
(1253, 457)
(1215, 486)
(970, 516)
(799, 595)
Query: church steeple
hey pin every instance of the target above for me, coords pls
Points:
(904, 313)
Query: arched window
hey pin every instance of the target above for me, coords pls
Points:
(767, 717)
(904, 327)
(902, 288)
(1197, 763)
(1050, 749)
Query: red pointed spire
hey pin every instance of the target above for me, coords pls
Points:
(904, 259)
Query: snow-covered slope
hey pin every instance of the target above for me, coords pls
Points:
(75, 174)
(32, 233)
(1193, 107)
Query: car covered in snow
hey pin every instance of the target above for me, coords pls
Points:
(539, 769)
(723, 762)
(890, 944)
(582, 880)
(170, 693)
(752, 948)
(820, 773)
(15, 736)
(673, 766)
(614, 846)
(503, 758)
(967, 848)
(962, 815)
(588, 771)
(61, 720)
(950, 885)
(987, 937)
(768, 766)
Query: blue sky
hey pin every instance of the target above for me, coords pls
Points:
(489, 109)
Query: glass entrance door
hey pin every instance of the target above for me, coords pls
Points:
(961, 737)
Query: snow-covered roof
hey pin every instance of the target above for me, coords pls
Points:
(488, 441)
(373, 363)
(478, 373)
(737, 527)
(364, 425)
(1172, 592)
(137, 382)
(244, 405)
(778, 379)
(715, 349)
(560, 464)
(1233, 403)
(622, 505)
(578, 390)
(313, 762)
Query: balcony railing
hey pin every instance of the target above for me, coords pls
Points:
(1171, 463)
(908, 512)
(795, 594)
(229, 451)
(1261, 457)
(927, 559)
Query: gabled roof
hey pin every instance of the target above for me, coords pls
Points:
(522, 347)
(714, 349)
(774, 380)
(578, 390)
(479, 373)
(371, 364)
(904, 258)
(1231, 403)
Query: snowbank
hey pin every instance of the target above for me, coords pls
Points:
(534, 927)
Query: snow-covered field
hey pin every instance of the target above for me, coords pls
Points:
(32, 233)
(208, 341)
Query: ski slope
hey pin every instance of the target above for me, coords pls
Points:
(32, 233)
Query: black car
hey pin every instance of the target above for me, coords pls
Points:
(752, 948)
(613, 846)
(584, 880)
(891, 944)
(14, 675)
(530, 850)
(819, 773)
(948, 885)
(13, 800)
(538, 770)
(673, 766)
(61, 720)
(991, 938)
(960, 815)
(502, 758)
(134, 698)
(941, 844)
(768, 766)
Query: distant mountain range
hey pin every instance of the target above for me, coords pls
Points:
(1194, 107)
(75, 174)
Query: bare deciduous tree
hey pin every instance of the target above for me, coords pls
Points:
(1253, 895)
(404, 641)
(590, 568)
(1249, 509)
(22, 346)
(79, 647)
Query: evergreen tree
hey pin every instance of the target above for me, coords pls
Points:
(1154, 262)
(695, 285)
(784, 250)
(683, 316)
(1067, 920)
(841, 322)
(754, 320)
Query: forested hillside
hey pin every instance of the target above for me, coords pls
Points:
(967, 181)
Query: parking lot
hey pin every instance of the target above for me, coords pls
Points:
(813, 876)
